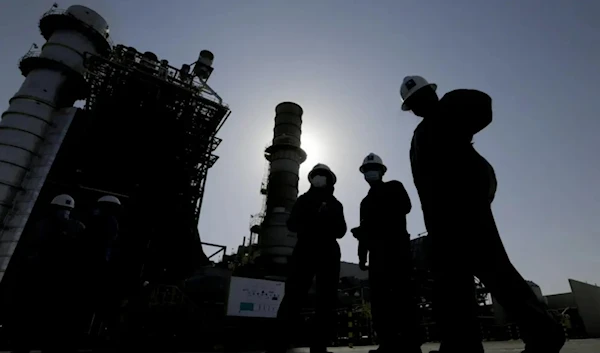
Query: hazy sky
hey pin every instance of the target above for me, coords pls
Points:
(343, 62)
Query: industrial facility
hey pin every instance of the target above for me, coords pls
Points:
(147, 134)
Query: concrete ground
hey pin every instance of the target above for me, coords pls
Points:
(572, 346)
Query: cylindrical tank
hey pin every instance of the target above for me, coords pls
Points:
(129, 54)
(150, 56)
(164, 68)
(48, 86)
(149, 61)
(184, 73)
(203, 67)
(206, 57)
(285, 157)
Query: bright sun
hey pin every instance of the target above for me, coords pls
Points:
(314, 151)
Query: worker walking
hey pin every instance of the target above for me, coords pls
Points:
(456, 186)
(318, 219)
(382, 235)
(54, 302)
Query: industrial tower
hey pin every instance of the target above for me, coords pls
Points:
(285, 155)
(147, 135)
(40, 113)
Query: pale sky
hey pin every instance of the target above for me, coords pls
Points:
(343, 62)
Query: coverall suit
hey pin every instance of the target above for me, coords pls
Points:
(318, 219)
(456, 186)
(382, 234)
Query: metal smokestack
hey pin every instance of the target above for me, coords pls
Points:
(33, 126)
(285, 156)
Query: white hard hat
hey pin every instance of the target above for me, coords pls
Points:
(372, 158)
(63, 200)
(410, 85)
(322, 167)
(109, 198)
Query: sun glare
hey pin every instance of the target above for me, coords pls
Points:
(314, 150)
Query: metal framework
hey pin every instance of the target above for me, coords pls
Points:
(169, 119)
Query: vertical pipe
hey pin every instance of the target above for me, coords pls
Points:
(53, 80)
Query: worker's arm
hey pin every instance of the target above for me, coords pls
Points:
(361, 236)
(363, 251)
(295, 221)
(367, 221)
(338, 221)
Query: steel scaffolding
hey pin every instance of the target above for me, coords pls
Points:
(168, 124)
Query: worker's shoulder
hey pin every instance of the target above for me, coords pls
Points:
(394, 185)
(301, 197)
(336, 201)
(464, 95)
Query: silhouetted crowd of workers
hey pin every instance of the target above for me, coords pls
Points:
(71, 275)
(456, 187)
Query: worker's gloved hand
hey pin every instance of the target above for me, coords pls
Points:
(363, 266)
(356, 232)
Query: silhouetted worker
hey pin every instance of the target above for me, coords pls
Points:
(382, 235)
(54, 258)
(456, 186)
(318, 219)
(103, 249)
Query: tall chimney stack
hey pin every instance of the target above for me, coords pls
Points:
(276, 243)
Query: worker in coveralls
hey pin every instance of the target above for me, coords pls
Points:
(382, 235)
(456, 186)
(103, 248)
(318, 219)
(55, 260)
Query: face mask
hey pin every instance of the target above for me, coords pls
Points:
(63, 214)
(319, 181)
(372, 175)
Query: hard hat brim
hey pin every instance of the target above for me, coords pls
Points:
(405, 106)
(362, 167)
(332, 174)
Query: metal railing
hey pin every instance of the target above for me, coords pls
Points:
(33, 52)
(222, 249)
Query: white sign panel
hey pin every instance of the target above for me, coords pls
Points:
(254, 297)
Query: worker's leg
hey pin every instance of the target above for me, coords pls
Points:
(298, 283)
(377, 288)
(384, 307)
(328, 277)
(454, 302)
(540, 332)
(404, 291)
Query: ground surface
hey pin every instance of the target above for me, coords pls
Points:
(573, 346)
